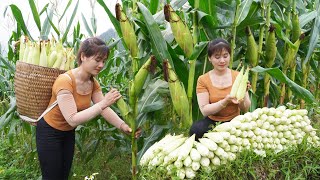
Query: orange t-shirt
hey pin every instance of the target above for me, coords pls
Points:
(216, 94)
(83, 101)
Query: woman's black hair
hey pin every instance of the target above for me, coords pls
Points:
(217, 45)
(93, 47)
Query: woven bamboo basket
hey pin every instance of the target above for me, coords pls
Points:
(33, 88)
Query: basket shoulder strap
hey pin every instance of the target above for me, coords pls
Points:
(48, 109)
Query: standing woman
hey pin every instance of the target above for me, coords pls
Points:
(74, 91)
(213, 89)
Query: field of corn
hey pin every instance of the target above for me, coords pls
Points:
(158, 50)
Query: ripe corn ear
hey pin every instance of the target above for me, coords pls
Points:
(123, 107)
(180, 30)
(43, 55)
(36, 54)
(127, 30)
(179, 97)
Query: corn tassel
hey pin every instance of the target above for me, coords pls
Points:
(129, 36)
(241, 92)
(252, 56)
(271, 52)
(180, 30)
(236, 83)
(178, 96)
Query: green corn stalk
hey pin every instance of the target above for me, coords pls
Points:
(290, 63)
(129, 36)
(271, 52)
(252, 57)
(178, 95)
(305, 74)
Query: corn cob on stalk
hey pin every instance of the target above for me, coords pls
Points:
(180, 30)
(289, 62)
(271, 51)
(296, 30)
(123, 108)
(141, 76)
(178, 95)
(252, 56)
(129, 36)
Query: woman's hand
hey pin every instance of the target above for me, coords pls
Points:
(232, 99)
(111, 97)
(126, 129)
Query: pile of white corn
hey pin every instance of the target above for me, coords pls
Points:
(46, 53)
(273, 129)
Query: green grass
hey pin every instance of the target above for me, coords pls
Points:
(17, 163)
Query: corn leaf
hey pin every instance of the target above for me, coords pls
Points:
(51, 23)
(307, 17)
(151, 99)
(35, 14)
(156, 133)
(44, 9)
(86, 26)
(19, 18)
(314, 35)
(64, 37)
(315, 68)
(243, 11)
(179, 66)
(94, 24)
(7, 64)
(46, 26)
(65, 10)
(278, 74)
(198, 49)
(153, 7)
(209, 23)
(159, 46)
